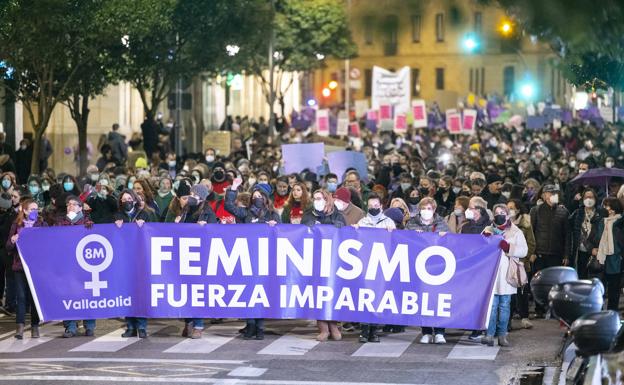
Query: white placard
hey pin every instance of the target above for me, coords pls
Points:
(391, 88)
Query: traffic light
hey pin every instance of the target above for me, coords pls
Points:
(470, 43)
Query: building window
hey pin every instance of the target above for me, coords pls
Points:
(368, 30)
(368, 82)
(416, 24)
(439, 78)
(391, 31)
(509, 80)
(439, 27)
(471, 87)
(478, 22)
(476, 85)
(482, 80)
(416, 82)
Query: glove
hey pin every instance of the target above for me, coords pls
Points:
(504, 245)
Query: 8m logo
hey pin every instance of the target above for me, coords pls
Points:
(94, 253)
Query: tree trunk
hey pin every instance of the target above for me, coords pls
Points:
(34, 165)
(282, 105)
(82, 124)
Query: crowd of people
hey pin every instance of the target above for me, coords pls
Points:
(506, 181)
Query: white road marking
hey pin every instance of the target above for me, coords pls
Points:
(247, 371)
(13, 345)
(122, 360)
(112, 342)
(212, 339)
(468, 350)
(292, 344)
(390, 345)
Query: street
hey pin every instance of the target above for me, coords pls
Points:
(288, 355)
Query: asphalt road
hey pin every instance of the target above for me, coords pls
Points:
(289, 355)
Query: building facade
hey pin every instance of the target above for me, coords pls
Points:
(456, 46)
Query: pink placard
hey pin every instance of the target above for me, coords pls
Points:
(453, 123)
(322, 123)
(400, 124)
(468, 122)
(385, 110)
(419, 112)
(354, 129)
(371, 115)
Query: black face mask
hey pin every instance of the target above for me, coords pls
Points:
(500, 220)
(258, 203)
(128, 206)
(374, 212)
(219, 175)
(424, 191)
(413, 200)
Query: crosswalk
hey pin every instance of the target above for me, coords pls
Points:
(297, 341)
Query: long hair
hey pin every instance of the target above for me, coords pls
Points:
(21, 216)
(329, 200)
(305, 196)
(147, 191)
(134, 196)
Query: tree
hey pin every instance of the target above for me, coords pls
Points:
(35, 45)
(305, 34)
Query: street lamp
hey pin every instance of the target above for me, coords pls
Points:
(470, 43)
(506, 28)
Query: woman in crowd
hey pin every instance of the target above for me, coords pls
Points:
(28, 216)
(457, 218)
(513, 245)
(584, 222)
(142, 186)
(323, 212)
(297, 203)
(102, 203)
(130, 212)
(260, 210)
(164, 196)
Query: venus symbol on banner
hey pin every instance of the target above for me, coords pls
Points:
(83, 254)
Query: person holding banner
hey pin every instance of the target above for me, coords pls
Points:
(196, 209)
(428, 221)
(324, 213)
(130, 212)
(374, 218)
(76, 217)
(297, 203)
(342, 201)
(28, 216)
(259, 210)
(513, 245)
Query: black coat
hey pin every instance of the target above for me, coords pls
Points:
(472, 227)
(576, 223)
(551, 229)
(199, 213)
(102, 209)
(311, 218)
(246, 215)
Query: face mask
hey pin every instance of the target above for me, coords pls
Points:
(426, 214)
(340, 205)
(554, 199)
(68, 186)
(374, 212)
(319, 205)
(506, 194)
(6, 183)
(130, 185)
(71, 215)
(258, 203)
(512, 214)
(589, 202)
(469, 214)
(192, 201)
(172, 164)
(424, 191)
(456, 190)
(573, 164)
(104, 182)
(128, 206)
(34, 190)
(405, 186)
(458, 212)
(582, 172)
(196, 178)
(103, 193)
(413, 200)
(609, 164)
(210, 158)
(332, 187)
(33, 215)
(251, 181)
(94, 177)
(219, 175)
(45, 187)
(500, 219)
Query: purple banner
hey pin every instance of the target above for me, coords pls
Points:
(257, 271)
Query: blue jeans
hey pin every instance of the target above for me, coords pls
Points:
(257, 322)
(198, 323)
(22, 291)
(72, 326)
(136, 323)
(499, 317)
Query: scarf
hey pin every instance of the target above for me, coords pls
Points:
(606, 246)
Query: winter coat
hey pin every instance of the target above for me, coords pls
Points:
(550, 226)
(103, 209)
(311, 217)
(438, 225)
(11, 247)
(244, 214)
(517, 249)
(163, 203)
(118, 146)
(199, 213)
(576, 224)
(524, 224)
(136, 215)
(476, 227)
(613, 262)
(455, 223)
(290, 212)
(353, 214)
(380, 221)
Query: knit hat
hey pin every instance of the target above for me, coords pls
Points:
(263, 188)
(493, 178)
(395, 213)
(140, 163)
(550, 188)
(5, 201)
(200, 190)
(184, 188)
(343, 194)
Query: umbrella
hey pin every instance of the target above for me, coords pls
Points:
(598, 176)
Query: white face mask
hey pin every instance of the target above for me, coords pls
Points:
(319, 205)
(554, 199)
(340, 205)
(209, 158)
(251, 181)
(512, 214)
(458, 212)
(71, 215)
(609, 164)
(426, 214)
(469, 214)
(589, 202)
(582, 172)
(506, 194)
